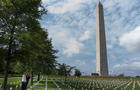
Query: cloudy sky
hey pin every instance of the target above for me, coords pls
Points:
(72, 26)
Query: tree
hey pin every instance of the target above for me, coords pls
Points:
(37, 52)
(65, 70)
(46, 57)
(16, 17)
(121, 75)
(77, 73)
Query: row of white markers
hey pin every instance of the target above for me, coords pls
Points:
(33, 86)
(100, 84)
(84, 84)
(18, 84)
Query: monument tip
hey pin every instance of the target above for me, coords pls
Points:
(99, 3)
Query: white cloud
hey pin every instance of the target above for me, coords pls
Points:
(113, 40)
(72, 47)
(131, 40)
(45, 1)
(65, 6)
(85, 36)
(129, 67)
(117, 66)
(109, 46)
(85, 67)
(113, 57)
(64, 39)
(80, 63)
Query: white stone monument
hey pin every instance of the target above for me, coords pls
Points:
(101, 52)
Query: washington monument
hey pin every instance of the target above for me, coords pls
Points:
(101, 52)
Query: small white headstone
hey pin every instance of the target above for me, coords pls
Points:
(16, 86)
(11, 88)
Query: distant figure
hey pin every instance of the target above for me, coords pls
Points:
(24, 81)
(27, 78)
(38, 77)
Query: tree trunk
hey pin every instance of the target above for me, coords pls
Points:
(65, 75)
(8, 62)
(38, 77)
(32, 78)
(6, 75)
(9, 55)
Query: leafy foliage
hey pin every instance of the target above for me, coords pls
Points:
(65, 70)
(24, 45)
(77, 73)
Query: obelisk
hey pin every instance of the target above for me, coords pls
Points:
(101, 51)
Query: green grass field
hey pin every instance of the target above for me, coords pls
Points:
(15, 83)
(76, 83)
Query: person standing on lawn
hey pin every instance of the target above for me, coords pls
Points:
(27, 78)
(24, 81)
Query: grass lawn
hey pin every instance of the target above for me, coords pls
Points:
(15, 83)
